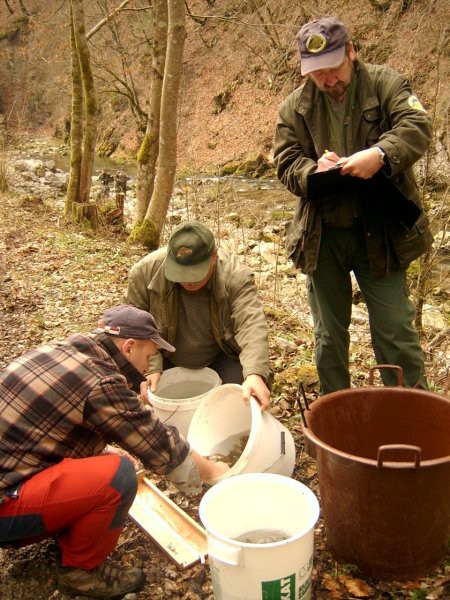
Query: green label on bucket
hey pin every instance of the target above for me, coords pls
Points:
(279, 589)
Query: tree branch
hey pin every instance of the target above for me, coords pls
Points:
(11, 10)
(103, 22)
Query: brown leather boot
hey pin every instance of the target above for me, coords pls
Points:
(108, 580)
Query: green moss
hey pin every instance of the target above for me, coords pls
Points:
(145, 233)
(230, 168)
(249, 222)
(91, 103)
(281, 215)
(144, 151)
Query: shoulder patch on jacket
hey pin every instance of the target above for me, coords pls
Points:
(414, 103)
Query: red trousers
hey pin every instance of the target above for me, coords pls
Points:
(82, 501)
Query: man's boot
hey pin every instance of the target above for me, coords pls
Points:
(108, 580)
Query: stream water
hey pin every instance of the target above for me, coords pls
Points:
(249, 203)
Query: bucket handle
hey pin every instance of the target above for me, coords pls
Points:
(416, 450)
(224, 552)
(393, 367)
(170, 416)
(301, 390)
(282, 450)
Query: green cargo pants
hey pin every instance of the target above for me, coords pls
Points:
(394, 339)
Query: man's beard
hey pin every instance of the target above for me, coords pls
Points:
(337, 91)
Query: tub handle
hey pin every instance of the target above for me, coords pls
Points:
(416, 450)
(394, 367)
(170, 416)
(301, 390)
(226, 553)
(282, 451)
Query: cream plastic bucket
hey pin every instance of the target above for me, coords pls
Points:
(179, 393)
(266, 571)
(223, 415)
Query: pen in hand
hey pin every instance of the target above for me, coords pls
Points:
(333, 159)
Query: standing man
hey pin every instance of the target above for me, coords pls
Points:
(365, 119)
(60, 405)
(205, 303)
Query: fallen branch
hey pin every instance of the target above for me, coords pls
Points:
(438, 338)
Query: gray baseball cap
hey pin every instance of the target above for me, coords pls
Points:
(128, 322)
(322, 43)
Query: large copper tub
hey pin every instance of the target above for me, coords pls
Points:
(383, 464)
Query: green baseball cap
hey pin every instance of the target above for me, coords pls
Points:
(189, 252)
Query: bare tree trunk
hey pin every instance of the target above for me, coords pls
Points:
(151, 227)
(148, 153)
(22, 6)
(76, 126)
(423, 287)
(90, 102)
(11, 11)
(426, 261)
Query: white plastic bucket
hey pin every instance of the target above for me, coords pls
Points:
(179, 393)
(223, 415)
(260, 571)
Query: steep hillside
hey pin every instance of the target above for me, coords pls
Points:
(240, 62)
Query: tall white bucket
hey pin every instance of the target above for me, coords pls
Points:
(179, 393)
(260, 506)
(222, 417)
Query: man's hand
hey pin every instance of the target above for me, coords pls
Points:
(208, 469)
(195, 469)
(362, 164)
(254, 385)
(328, 161)
(121, 452)
(150, 384)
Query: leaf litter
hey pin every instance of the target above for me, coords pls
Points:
(54, 281)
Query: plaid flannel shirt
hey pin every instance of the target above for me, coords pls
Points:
(68, 399)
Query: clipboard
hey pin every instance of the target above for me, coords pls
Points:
(379, 190)
(327, 183)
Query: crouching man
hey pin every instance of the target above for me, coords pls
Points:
(60, 406)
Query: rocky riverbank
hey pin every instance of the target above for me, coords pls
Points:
(55, 279)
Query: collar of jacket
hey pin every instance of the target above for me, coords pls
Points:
(158, 283)
(310, 97)
(168, 292)
(132, 375)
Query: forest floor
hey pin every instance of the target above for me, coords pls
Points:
(56, 279)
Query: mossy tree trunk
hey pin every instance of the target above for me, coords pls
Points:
(90, 102)
(150, 229)
(84, 119)
(148, 153)
(76, 126)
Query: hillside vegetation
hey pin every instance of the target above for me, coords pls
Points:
(240, 62)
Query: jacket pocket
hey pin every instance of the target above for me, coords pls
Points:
(372, 119)
(412, 243)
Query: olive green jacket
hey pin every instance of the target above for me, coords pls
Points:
(385, 114)
(237, 318)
